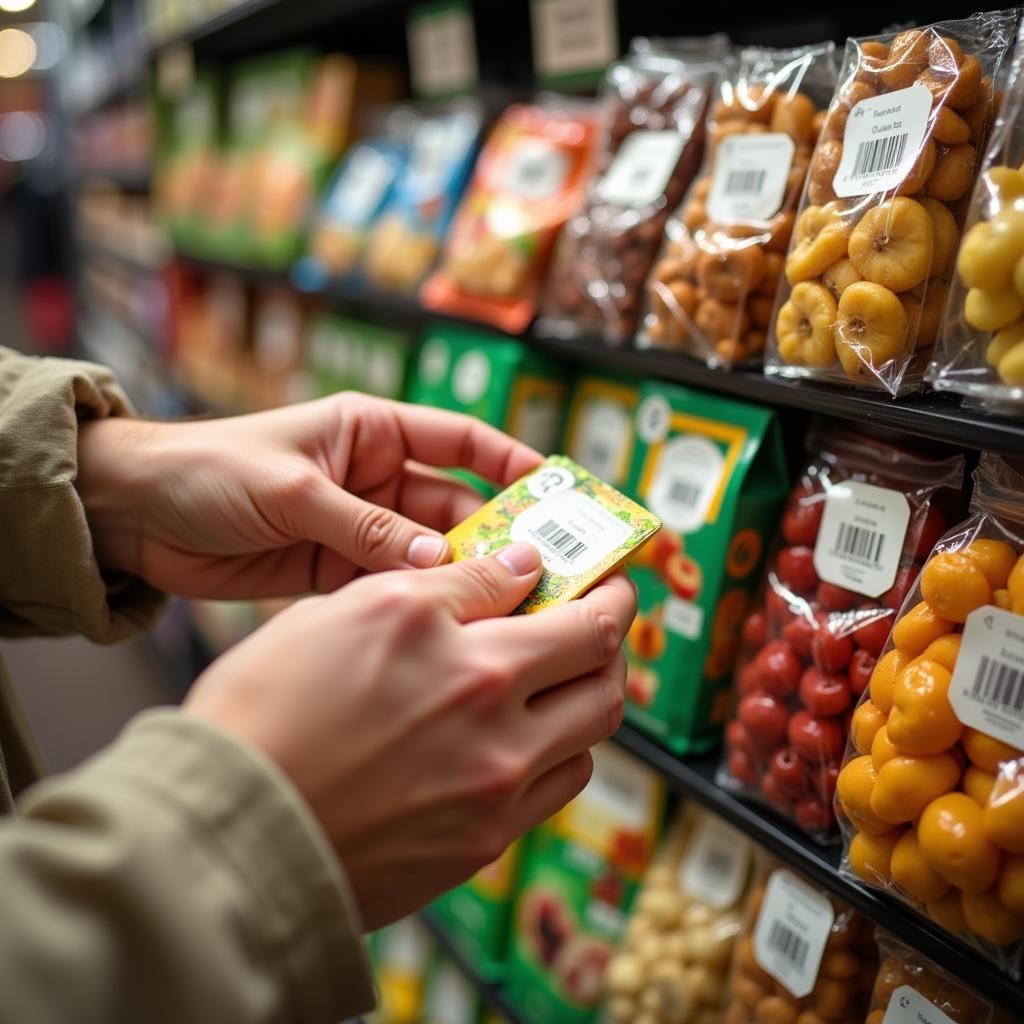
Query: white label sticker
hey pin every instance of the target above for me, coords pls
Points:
(471, 377)
(434, 361)
(716, 863)
(751, 172)
(573, 36)
(987, 689)
(683, 618)
(536, 170)
(451, 999)
(621, 788)
(406, 946)
(361, 187)
(603, 440)
(861, 537)
(685, 482)
(549, 481)
(882, 141)
(641, 168)
(791, 932)
(653, 419)
(908, 1006)
(571, 531)
(442, 52)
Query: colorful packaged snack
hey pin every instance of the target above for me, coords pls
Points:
(931, 795)
(599, 426)
(712, 291)
(855, 528)
(578, 880)
(528, 180)
(401, 955)
(653, 104)
(713, 471)
(879, 223)
(343, 353)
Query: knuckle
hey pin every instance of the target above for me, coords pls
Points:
(373, 530)
(615, 703)
(606, 634)
(504, 773)
(299, 486)
(400, 602)
(483, 685)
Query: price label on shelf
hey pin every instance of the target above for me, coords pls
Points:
(751, 172)
(717, 861)
(908, 1006)
(442, 48)
(573, 37)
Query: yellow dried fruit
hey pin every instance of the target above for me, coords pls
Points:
(870, 330)
(822, 234)
(804, 324)
(892, 244)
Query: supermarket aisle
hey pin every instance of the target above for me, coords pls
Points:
(77, 695)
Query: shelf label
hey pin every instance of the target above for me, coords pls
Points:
(573, 37)
(908, 1006)
(442, 48)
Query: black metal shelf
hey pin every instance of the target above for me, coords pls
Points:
(933, 417)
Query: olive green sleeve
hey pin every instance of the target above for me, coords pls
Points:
(177, 876)
(50, 582)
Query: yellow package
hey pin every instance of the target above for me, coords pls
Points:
(582, 527)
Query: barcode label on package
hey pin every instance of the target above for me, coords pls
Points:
(791, 932)
(750, 176)
(987, 690)
(882, 141)
(716, 864)
(685, 482)
(861, 537)
(641, 169)
(908, 1006)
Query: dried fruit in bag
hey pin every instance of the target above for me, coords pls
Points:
(653, 104)
(528, 179)
(880, 217)
(852, 533)
(934, 773)
(712, 290)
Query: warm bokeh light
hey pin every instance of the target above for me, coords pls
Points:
(17, 52)
(22, 136)
(15, 6)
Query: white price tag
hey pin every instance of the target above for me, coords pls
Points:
(683, 618)
(882, 141)
(751, 172)
(791, 932)
(571, 531)
(602, 441)
(573, 36)
(406, 946)
(685, 482)
(471, 377)
(451, 999)
(536, 170)
(908, 1006)
(620, 789)
(434, 360)
(987, 689)
(715, 866)
(861, 537)
(442, 50)
(361, 187)
(641, 169)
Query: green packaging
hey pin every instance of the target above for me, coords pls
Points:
(577, 882)
(714, 472)
(345, 354)
(599, 431)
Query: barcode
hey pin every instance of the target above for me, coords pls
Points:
(600, 455)
(999, 683)
(718, 862)
(879, 155)
(567, 544)
(786, 941)
(860, 543)
(744, 183)
(682, 493)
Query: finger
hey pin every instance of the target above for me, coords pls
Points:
(435, 499)
(550, 793)
(564, 642)
(450, 439)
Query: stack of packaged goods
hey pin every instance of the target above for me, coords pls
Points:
(345, 354)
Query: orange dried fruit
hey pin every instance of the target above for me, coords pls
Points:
(952, 839)
(922, 720)
(912, 873)
(918, 628)
(954, 585)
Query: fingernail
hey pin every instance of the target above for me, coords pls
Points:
(520, 559)
(426, 552)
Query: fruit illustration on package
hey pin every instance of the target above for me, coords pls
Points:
(646, 638)
(683, 576)
(641, 685)
(546, 922)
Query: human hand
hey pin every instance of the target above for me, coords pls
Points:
(425, 733)
(285, 502)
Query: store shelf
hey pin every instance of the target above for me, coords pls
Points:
(695, 777)
(128, 179)
(930, 416)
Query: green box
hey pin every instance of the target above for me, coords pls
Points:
(577, 883)
(713, 471)
(346, 354)
(599, 432)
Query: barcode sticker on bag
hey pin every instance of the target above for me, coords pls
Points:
(908, 1006)
(791, 932)
(987, 690)
(716, 863)
(861, 537)
(749, 181)
(882, 141)
(641, 169)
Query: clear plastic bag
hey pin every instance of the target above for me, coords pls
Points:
(683, 924)
(980, 351)
(855, 528)
(653, 103)
(865, 277)
(802, 955)
(918, 986)
(712, 291)
(931, 794)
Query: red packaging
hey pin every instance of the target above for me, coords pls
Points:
(854, 531)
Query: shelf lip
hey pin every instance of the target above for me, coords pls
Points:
(933, 417)
(695, 777)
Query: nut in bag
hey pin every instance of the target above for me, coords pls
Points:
(980, 351)
(856, 525)
(712, 290)
(867, 270)
(931, 795)
(653, 104)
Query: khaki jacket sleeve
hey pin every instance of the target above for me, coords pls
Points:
(50, 582)
(176, 877)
